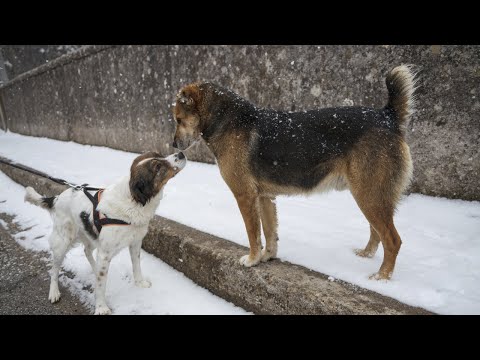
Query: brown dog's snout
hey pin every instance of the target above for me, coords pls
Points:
(175, 144)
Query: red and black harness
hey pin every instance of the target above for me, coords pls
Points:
(100, 220)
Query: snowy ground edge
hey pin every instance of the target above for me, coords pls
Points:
(276, 287)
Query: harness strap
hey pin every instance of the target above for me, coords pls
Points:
(99, 219)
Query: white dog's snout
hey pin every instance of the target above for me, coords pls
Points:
(176, 161)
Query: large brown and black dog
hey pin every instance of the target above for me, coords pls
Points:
(263, 153)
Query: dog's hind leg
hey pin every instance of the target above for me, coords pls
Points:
(378, 172)
(391, 246)
(103, 263)
(137, 271)
(372, 245)
(249, 207)
(380, 216)
(59, 247)
(268, 213)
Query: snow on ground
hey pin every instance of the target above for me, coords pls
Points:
(438, 267)
(171, 292)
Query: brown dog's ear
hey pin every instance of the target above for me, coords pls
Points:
(142, 186)
(139, 191)
(184, 99)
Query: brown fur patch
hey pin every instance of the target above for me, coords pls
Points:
(191, 113)
(377, 184)
(232, 158)
(148, 177)
(268, 215)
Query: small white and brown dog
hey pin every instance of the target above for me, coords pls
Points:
(113, 219)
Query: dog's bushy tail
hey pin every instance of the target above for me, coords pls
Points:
(401, 86)
(35, 198)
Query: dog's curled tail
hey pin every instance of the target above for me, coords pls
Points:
(401, 86)
(35, 198)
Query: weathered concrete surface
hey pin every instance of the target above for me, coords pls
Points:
(276, 287)
(22, 58)
(25, 282)
(121, 97)
(24, 278)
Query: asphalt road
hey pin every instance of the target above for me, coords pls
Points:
(25, 282)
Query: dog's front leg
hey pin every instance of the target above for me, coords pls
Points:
(249, 207)
(103, 263)
(268, 214)
(137, 271)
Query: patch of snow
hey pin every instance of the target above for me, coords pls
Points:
(3, 224)
(438, 266)
(171, 291)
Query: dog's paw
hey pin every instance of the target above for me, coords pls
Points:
(363, 253)
(143, 283)
(380, 276)
(247, 261)
(54, 295)
(267, 255)
(102, 310)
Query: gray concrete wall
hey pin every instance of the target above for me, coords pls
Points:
(121, 97)
(22, 58)
(3, 70)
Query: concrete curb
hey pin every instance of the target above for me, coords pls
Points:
(276, 287)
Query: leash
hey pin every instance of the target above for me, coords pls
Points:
(46, 176)
(99, 220)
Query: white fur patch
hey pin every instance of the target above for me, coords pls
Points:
(68, 229)
(145, 160)
(174, 161)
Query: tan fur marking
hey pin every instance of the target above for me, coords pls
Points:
(233, 164)
(377, 185)
(249, 208)
(335, 180)
(268, 214)
(372, 245)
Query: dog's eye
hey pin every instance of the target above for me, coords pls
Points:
(179, 121)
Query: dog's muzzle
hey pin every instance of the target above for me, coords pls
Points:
(177, 160)
(184, 143)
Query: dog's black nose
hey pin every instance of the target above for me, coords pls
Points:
(175, 144)
(181, 156)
